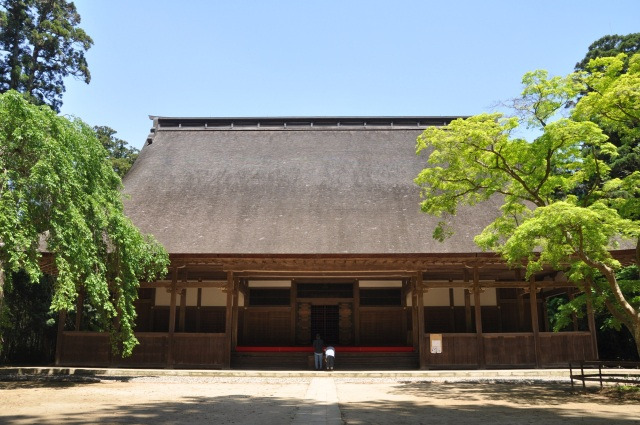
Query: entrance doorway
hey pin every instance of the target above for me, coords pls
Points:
(325, 320)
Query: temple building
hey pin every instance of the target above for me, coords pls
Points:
(282, 228)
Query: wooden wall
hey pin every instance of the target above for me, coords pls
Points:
(189, 350)
(510, 349)
(265, 326)
(382, 326)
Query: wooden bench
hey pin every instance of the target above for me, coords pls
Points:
(607, 371)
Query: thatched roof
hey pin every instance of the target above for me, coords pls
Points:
(289, 185)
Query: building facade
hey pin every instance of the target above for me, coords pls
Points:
(281, 228)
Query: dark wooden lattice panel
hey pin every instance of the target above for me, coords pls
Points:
(267, 327)
(381, 326)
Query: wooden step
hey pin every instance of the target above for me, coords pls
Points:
(344, 361)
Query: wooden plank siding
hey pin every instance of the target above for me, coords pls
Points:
(189, 350)
(509, 349)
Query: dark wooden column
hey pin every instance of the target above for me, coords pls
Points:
(172, 317)
(477, 308)
(405, 326)
(229, 319)
(183, 310)
(421, 342)
(294, 311)
(452, 313)
(79, 310)
(414, 316)
(533, 299)
(356, 312)
(468, 321)
(198, 310)
(234, 320)
(62, 317)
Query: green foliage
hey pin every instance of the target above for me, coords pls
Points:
(58, 192)
(560, 205)
(121, 155)
(610, 45)
(26, 323)
(40, 44)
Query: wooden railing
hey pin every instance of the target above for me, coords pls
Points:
(616, 372)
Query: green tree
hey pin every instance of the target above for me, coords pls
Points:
(122, 156)
(610, 45)
(59, 193)
(40, 44)
(628, 158)
(561, 208)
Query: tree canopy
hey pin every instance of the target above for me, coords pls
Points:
(121, 155)
(561, 206)
(59, 194)
(40, 44)
(610, 45)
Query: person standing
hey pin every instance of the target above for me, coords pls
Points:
(318, 350)
(330, 352)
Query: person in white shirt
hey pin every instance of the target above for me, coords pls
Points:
(330, 353)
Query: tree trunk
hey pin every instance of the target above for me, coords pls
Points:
(1, 297)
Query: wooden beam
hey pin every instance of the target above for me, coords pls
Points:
(280, 274)
(185, 284)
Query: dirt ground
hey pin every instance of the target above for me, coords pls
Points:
(264, 401)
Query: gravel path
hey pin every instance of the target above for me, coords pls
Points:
(248, 400)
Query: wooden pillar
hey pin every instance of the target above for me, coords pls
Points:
(452, 312)
(468, 321)
(294, 311)
(229, 319)
(172, 317)
(356, 313)
(591, 321)
(234, 320)
(414, 315)
(477, 308)
(62, 317)
(198, 310)
(533, 299)
(421, 337)
(183, 309)
(79, 310)
(405, 326)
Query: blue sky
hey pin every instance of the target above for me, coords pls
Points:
(324, 58)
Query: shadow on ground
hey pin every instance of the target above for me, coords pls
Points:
(475, 403)
(534, 393)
